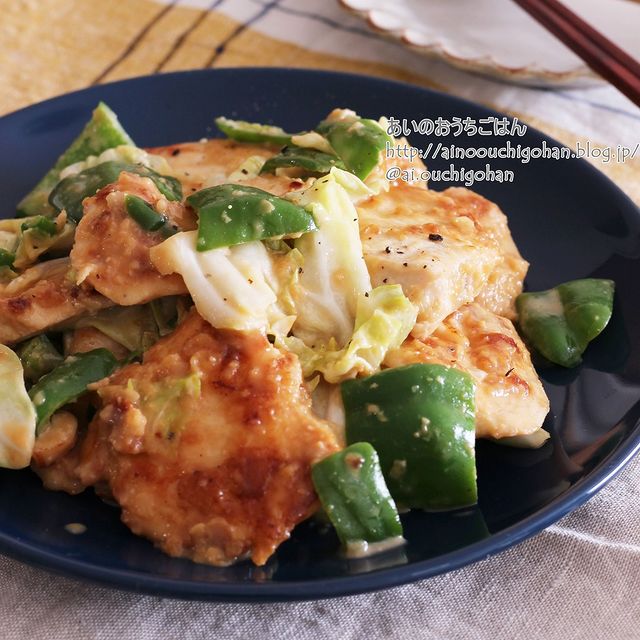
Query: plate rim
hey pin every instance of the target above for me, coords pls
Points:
(320, 588)
(529, 75)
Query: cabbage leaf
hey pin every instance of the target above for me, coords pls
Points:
(334, 274)
(28, 238)
(316, 298)
(383, 320)
(17, 414)
(126, 153)
(232, 287)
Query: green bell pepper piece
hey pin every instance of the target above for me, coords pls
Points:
(355, 497)
(231, 214)
(421, 421)
(38, 357)
(68, 381)
(243, 131)
(6, 258)
(102, 132)
(42, 225)
(311, 161)
(147, 217)
(359, 142)
(36, 235)
(560, 322)
(69, 193)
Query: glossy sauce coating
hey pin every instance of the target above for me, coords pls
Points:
(111, 250)
(207, 445)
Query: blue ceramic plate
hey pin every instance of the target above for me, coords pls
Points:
(569, 222)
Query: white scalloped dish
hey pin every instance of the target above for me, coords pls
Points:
(497, 37)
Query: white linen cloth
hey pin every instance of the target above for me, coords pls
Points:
(577, 580)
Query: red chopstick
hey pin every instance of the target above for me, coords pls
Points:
(598, 52)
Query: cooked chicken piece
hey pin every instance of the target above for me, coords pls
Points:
(111, 250)
(42, 297)
(56, 440)
(510, 399)
(207, 445)
(56, 466)
(417, 238)
(213, 162)
(505, 282)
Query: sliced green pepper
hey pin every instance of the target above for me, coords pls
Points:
(243, 131)
(421, 421)
(359, 142)
(68, 381)
(38, 357)
(355, 497)
(41, 224)
(6, 258)
(69, 193)
(147, 217)
(560, 322)
(311, 162)
(38, 235)
(231, 214)
(102, 132)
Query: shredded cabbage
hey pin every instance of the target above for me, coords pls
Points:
(334, 274)
(384, 319)
(250, 168)
(327, 404)
(320, 290)
(343, 327)
(133, 327)
(17, 414)
(124, 153)
(28, 243)
(312, 140)
(160, 402)
(232, 287)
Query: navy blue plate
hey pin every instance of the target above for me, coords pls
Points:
(569, 221)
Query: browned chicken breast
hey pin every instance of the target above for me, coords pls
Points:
(417, 238)
(505, 281)
(42, 297)
(510, 399)
(111, 250)
(212, 162)
(207, 445)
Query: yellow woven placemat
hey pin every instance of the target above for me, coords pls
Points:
(50, 47)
